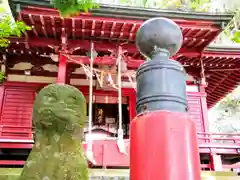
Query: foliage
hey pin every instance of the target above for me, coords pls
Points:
(236, 36)
(8, 29)
(236, 27)
(2, 76)
(233, 28)
(199, 5)
(227, 114)
(191, 5)
(73, 7)
(59, 115)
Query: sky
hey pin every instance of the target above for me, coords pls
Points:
(5, 6)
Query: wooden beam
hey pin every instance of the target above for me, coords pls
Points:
(100, 46)
(54, 74)
(62, 69)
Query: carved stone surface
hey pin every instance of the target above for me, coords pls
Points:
(59, 116)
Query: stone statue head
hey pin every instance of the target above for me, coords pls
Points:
(59, 108)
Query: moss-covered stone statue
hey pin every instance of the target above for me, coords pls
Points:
(59, 114)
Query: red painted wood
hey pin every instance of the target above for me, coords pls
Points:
(1, 97)
(99, 46)
(62, 69)
(195, 107)
(195, 112)
(19, 162)
(11, 162)
(106, 152)
(204, 114)
(203, 166)
(11, 145)
(167, 140)
(106, 99)
(132, 106)
(16, 114)
(88, 16)
(197, 35)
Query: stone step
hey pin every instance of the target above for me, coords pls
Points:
(213, 175)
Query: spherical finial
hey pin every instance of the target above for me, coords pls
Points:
(159, 33)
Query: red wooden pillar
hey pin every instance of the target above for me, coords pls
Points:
(2, 89)
(165, 144)
(204, 108)
(62, 69)
(132, 106)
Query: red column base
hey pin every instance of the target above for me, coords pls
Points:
(163, 145)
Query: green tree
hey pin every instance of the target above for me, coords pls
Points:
(73, 7)
(236, 36)
(225, 116)
(8, 28)
(236, 27)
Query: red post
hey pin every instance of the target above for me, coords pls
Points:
(62, 69)
(163, 139)
(132, 106)
(164, 146)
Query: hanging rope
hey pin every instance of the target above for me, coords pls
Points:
(104, 74)
(120, 140)
(203, 78)
(99, 77)
(131, 81)
(87, 71)
(89, 153)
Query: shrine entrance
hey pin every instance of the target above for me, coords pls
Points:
(105, 121)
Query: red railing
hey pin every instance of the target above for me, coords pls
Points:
(106, 151)
(203, 166)
(207, 141)
(221, 143)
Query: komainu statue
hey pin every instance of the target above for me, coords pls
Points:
(59, 115)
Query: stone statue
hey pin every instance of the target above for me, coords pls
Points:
(59, 114)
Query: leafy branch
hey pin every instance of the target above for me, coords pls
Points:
(225, 116)
(8, 29)
(236, 37)
(228, 114)
(73, 7)
(233, 28)
(2, 76)
(190, 5)
(199, 5)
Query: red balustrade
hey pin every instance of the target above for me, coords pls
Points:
(106, 151)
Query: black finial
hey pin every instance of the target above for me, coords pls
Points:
(161, 83)
(159, 35)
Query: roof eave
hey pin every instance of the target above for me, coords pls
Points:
(126, 12)
(224, 48)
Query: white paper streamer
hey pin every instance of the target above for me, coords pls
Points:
(89, 153)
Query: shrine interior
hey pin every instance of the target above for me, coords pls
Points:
(106, 121)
